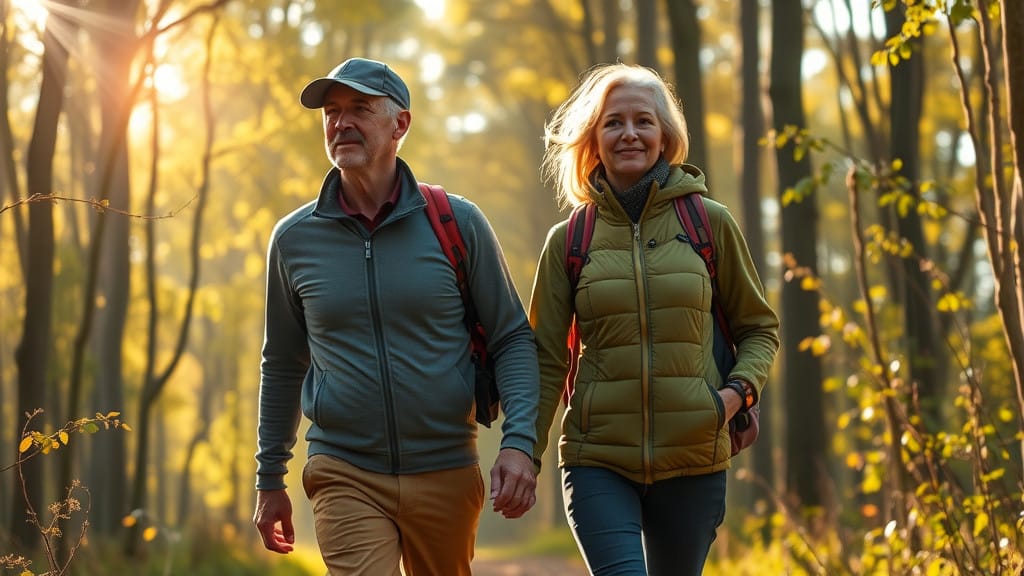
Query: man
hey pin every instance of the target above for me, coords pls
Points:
(365, 335)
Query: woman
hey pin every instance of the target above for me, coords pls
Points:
(644, 442)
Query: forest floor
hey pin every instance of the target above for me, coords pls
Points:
(529, 566)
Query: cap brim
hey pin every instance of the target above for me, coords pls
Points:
(312, 95)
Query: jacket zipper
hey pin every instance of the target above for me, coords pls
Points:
(394, 456)
(645, 356)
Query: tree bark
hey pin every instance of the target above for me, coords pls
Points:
(117, 46)
(647, 33)
(32, 356)
(752, 129)
(919, 321)
(611, 16)
(805, 446)
(9, 186)
(685, 34)
(1011, 302)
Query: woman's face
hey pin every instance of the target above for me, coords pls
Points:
(629, 136)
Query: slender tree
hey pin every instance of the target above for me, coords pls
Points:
(806, 437)
(156, 378)
(647, 33)
(33, 352)
(685, 35)
(919, 326)
(751, 189)
(9, 185)
(117, 47)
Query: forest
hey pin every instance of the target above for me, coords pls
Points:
(872, 151)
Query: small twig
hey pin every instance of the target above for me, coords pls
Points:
(99, 205)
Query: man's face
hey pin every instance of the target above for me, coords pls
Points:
(360, 131)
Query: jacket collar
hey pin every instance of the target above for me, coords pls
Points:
(409, 197)
(683, 179)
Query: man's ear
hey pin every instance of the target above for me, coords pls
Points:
(402, 122)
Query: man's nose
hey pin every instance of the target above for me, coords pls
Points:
(342, 120)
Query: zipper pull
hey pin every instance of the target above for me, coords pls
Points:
(366, 245)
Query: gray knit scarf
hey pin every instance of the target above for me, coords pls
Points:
(634, 198)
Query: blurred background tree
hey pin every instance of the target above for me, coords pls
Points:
(898, 288)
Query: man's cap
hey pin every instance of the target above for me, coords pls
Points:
(366, 76)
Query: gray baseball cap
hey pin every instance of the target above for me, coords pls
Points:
(366, 76)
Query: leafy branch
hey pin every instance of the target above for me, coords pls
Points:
(34, 443)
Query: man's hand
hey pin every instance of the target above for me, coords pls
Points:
(513, 483)
(273, 519)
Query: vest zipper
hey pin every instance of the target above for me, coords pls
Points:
(647, 440)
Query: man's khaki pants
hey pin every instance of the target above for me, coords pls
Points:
(368, 523)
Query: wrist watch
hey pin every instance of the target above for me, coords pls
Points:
(745, 391)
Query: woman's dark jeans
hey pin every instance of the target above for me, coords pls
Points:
(617, 523)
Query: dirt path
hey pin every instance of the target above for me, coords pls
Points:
(539, 566)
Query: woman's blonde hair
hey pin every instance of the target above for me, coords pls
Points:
(570, 144)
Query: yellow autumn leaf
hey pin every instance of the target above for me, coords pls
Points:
(872, 482)
(149, 534)
(128, 521)
(126, 427)
(63, 436)
(26, 443)
(1005, 414)
(113, 414)
(821, 345)
(808, 284)
(854, 461)
(980, 523)
(844, 421)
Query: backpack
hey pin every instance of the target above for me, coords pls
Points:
(442, 221)
(692, 214)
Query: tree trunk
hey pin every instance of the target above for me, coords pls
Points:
(154, 382)
(647, 33)
(1011, 300)
(805, 447)
(611, 16)
(752, 118)
(685, 33)
(32, 356)
(9, 187)
(919, 322)
(107, 475)
(588, 33)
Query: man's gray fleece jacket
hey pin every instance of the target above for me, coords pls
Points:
(365, 333)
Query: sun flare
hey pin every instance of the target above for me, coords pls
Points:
(33, 11)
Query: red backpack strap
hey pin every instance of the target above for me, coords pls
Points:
(578, 233)
(577, 240)
(442, 220)
(693, 215)
(446, 228)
